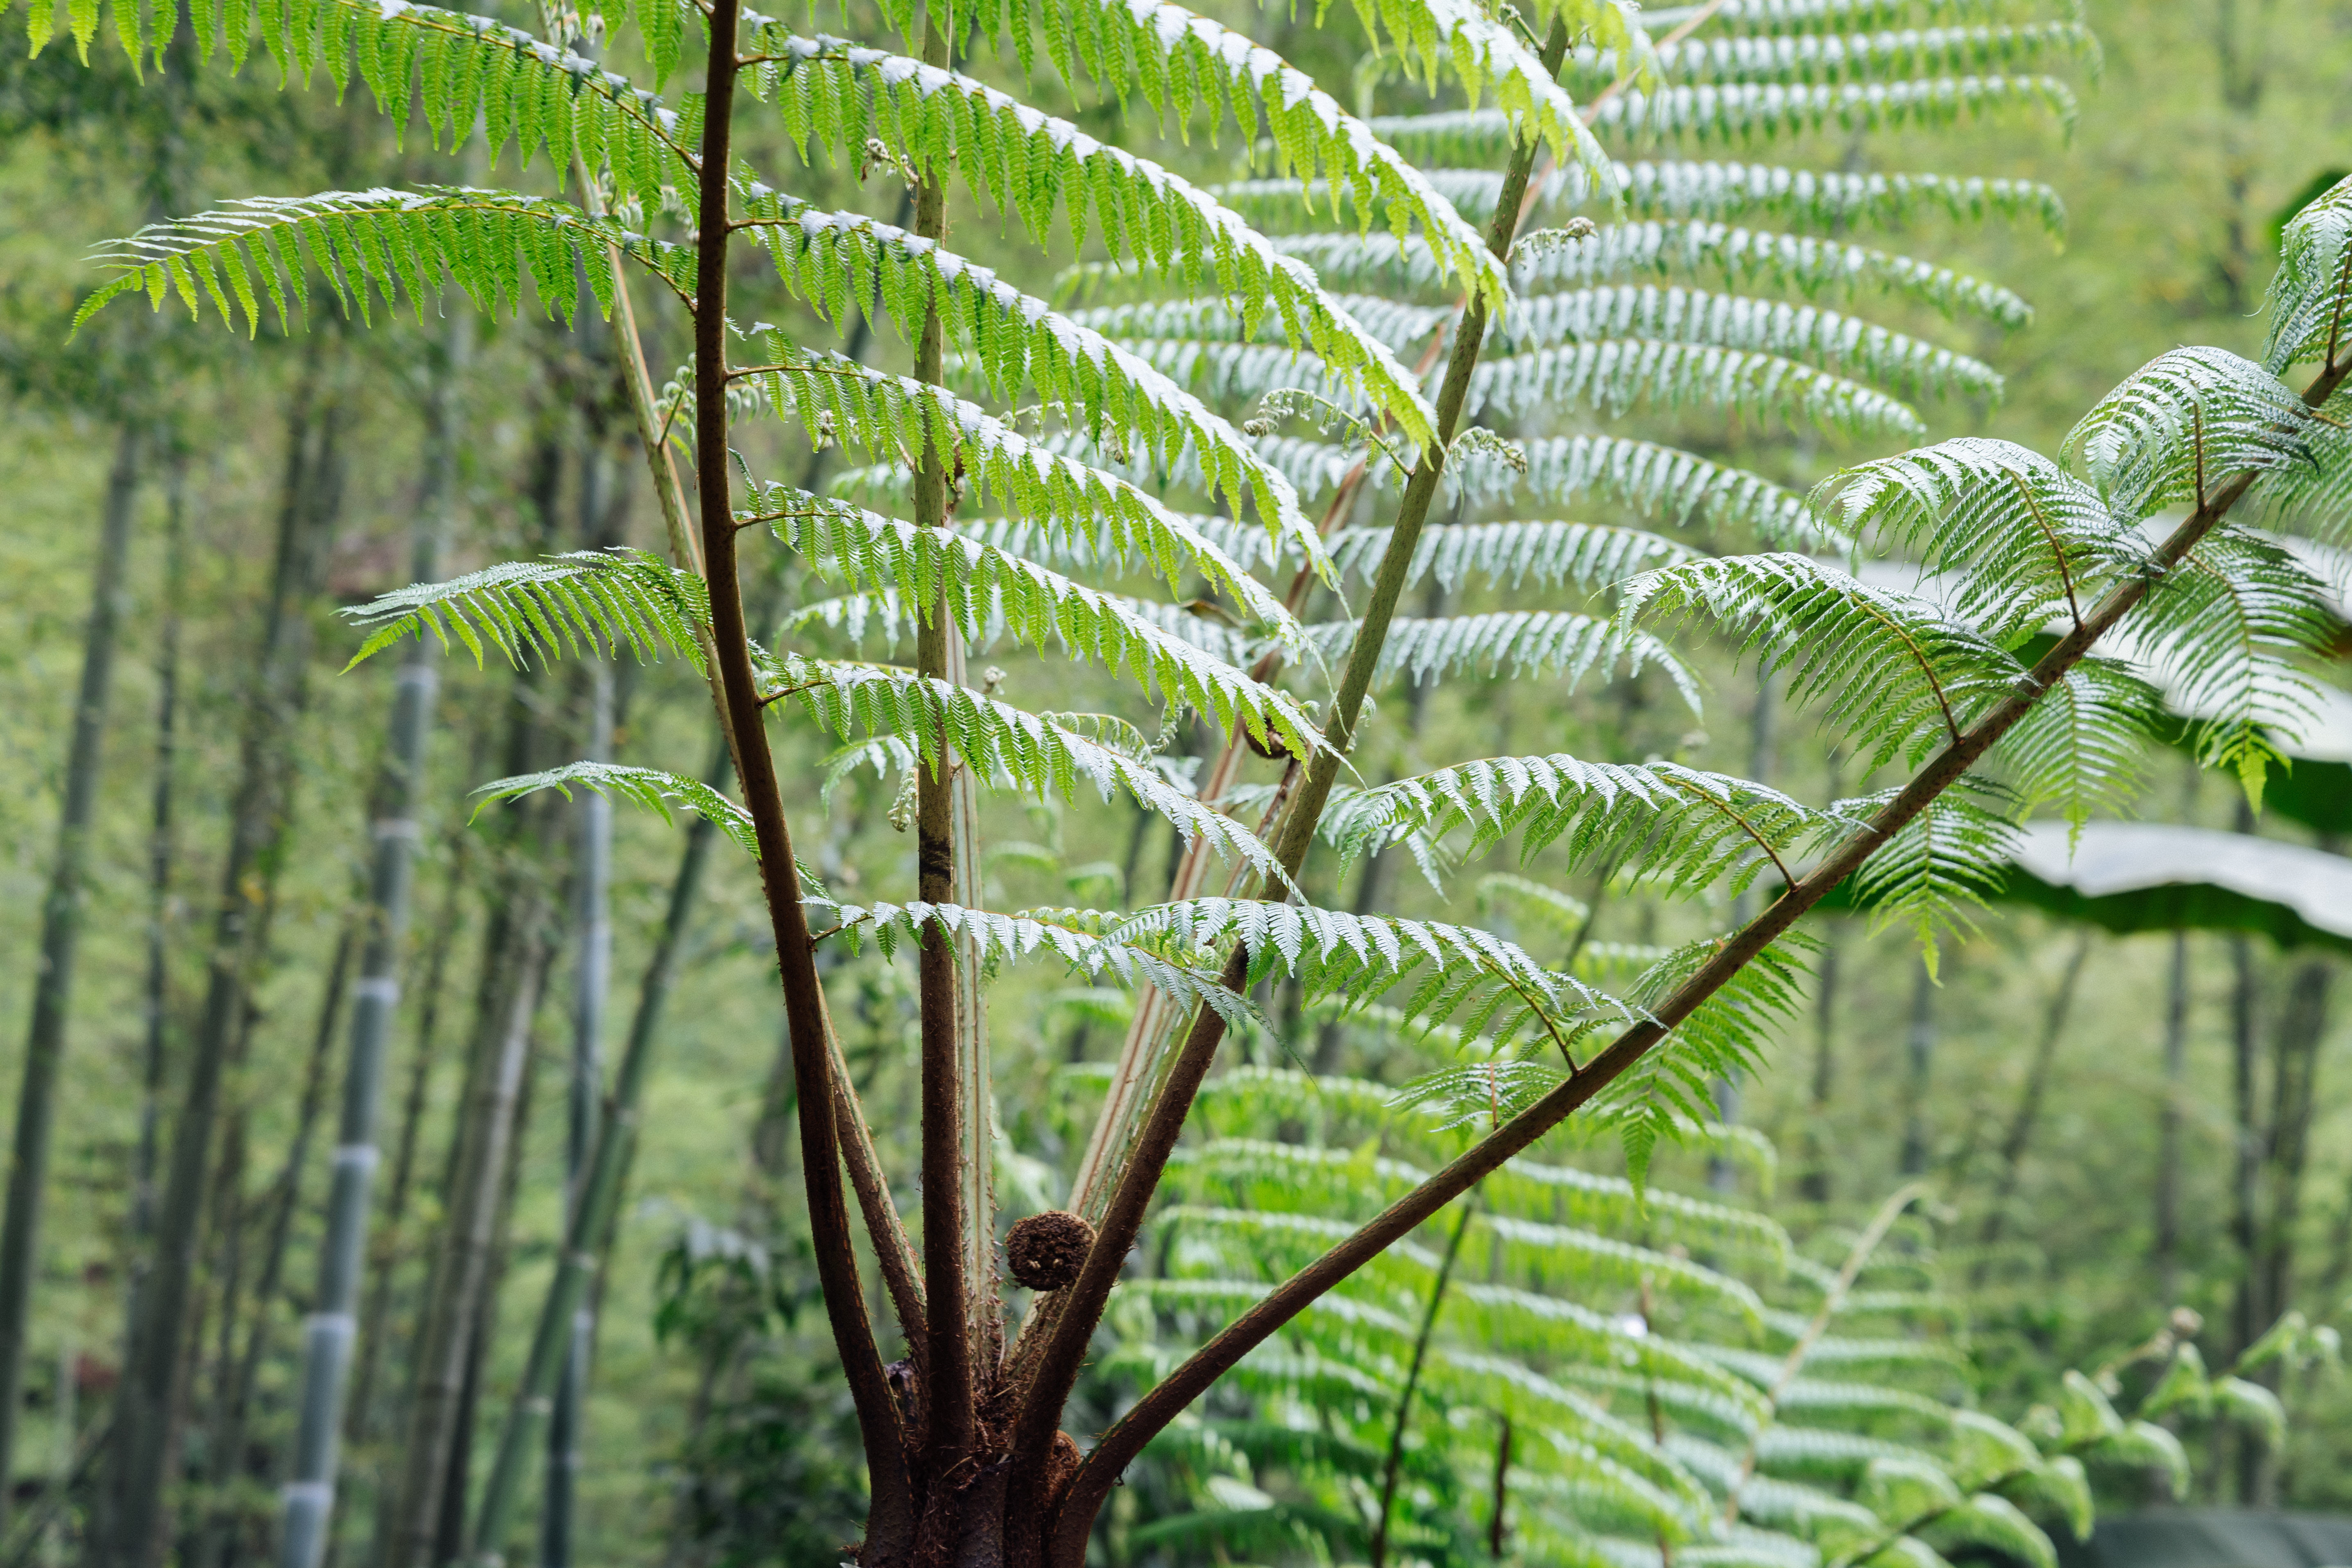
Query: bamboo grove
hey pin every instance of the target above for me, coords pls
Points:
(1400, 352)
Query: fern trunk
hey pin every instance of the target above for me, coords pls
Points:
(61, 912)
(130, 1531)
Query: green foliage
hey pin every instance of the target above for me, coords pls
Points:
(588, 603)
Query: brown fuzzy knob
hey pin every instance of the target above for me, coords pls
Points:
(1047, 1250)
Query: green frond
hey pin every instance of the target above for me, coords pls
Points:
(1617, 375)
(2182, 423)
(586, 603)
(1744, 112)
(1672, 1084)
(1471, 979)
(1737, 257)
(833, 398)
(1768, 17)
(1827, 197)
(1029, 162)
(2026, 541)
(1003, 745)
(992, 940)
(648, 788)
(1514, 555)
(1649, 822)
(1993, 1521)
(1937, 869)
(381, 243)
(982, 586)
(1820, 338)
(1897, 676)
(1817, 58)
(842, 261)
(2083, 744)
(2312, 289)
(1527, 642)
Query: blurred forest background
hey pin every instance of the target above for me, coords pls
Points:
(2027, 1085)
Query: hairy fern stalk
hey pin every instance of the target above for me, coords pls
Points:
(1448, 311)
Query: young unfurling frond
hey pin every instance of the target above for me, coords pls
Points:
(379, 242)
(1895, 675)
(2180, 424)
(589, 603)
(1620, 374)
(981, 585)
(895, 416)
(2311, 292)
(1001, 744)
(1825, 339)
(1659, 822)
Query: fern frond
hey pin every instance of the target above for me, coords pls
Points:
(1937, 869)
(2311, 292)
(1652, 822)
(1765, 18)
(1895, 675)
(2026, 541)
(1531, 642)
(1471, 979)
(994, 939)
(380, 242)
(2082, 744)
(836, 397)
(1824, 196)
(2182, 423)
(1860, 57)
(1738, 257)
(1241, 372)
(1672, 1084)
(647, 787)
(1031, 752)
(1514, 555)
(1618, 374)
(586, 603)
(1821, 338)
(1030, 163)
(982, 586)
(1745, 112)
(842, 261)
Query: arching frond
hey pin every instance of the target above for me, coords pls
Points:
(2312, 289)
(2084, 745)
(587, 604)
(1470, 978)
(981, 584)
(1000, 742)
(1939, 868)
(1030, 163)
(1822, 197)
(1745, 112)
(379, 242)
(833, 398)
(994, 940)
(1618, 374)
(2024, 539)
(1817, 337)
(1650, 822)
(1524, 642)
(1514, 555)
(2179, 425)
(1864, 57)
(1741, 257)
(842, 261)
(1894, 674)
(648, 788)
(1768, 17)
